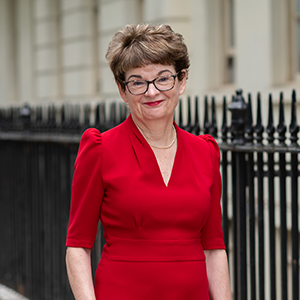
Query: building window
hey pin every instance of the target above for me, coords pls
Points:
(229, 42)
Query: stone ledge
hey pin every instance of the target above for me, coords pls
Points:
(9, 294)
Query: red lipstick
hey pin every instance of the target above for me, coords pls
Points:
(154, 103)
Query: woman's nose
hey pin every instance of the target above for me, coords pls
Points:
(152, 90)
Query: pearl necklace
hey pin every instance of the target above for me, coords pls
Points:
(159, 147)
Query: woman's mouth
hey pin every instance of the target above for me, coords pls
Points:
(153, 103)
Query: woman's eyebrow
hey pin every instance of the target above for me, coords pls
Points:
(162, 71)
(158, 74)
(137, 76)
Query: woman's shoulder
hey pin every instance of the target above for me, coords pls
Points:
(199, 139)
(114, 136)
(201, 143)
(209, 140)
(91, 136)
(212, 144)
(90, 142)
(91, 133)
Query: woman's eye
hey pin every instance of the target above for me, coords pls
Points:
(138, 83)
(163, 79)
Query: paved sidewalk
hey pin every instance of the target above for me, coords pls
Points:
(9, 294)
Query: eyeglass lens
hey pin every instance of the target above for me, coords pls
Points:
(162, 83)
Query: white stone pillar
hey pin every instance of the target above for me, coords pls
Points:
(24, 50)
(206, 45)
(47, 51)
(79, 43)
(7, 53)
(175, 13)
(282, 40)
(113, 15)
(254, 44)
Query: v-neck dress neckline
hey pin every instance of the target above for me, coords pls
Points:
(140, 143)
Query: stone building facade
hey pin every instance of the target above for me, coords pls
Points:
(52, 51)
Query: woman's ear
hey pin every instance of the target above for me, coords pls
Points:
(122, 92)
(182, 83)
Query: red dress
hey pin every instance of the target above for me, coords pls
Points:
(155, 233)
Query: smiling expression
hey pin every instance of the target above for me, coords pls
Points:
(153, 104)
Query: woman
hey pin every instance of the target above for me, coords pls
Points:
(155, 187)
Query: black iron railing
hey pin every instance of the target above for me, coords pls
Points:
(260, 200)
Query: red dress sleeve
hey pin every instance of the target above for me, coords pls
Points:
(212, 233)
(87, 191)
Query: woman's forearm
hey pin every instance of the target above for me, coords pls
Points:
(217, 273)
(78, 262)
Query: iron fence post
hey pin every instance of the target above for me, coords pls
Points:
(25, 116)
(238, 108)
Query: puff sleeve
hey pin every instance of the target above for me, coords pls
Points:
(87, 191)
(212, 233)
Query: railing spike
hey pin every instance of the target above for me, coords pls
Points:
(63, 117)
(122, 111)
(75, 118)
(294, 128)
(2, 119)
(224, 128)
(250, 118)
(87, 115)
(112, 120)
(238, 108)
(259, 118)
(188, 126)
(180, 121)
(281, 109)
(25, 116)
(103, 112)
(196, 129)
(270, 128)
(259, 128)
(97, 115)
(53, 117)
(54, 112)
(48, 113)
(249, 124)
(39, 117)
(206, 122)
(213, 127)
(281, 128)
(70, 116)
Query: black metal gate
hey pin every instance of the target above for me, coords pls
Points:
(260, 172)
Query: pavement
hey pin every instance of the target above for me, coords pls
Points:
(9, 294)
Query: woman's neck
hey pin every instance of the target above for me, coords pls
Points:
(157, 133)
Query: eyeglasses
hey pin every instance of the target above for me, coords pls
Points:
(161, 83)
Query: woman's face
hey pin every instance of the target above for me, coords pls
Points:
(154, 104)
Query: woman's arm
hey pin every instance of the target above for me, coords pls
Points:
(78, 261)
(217, 273)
